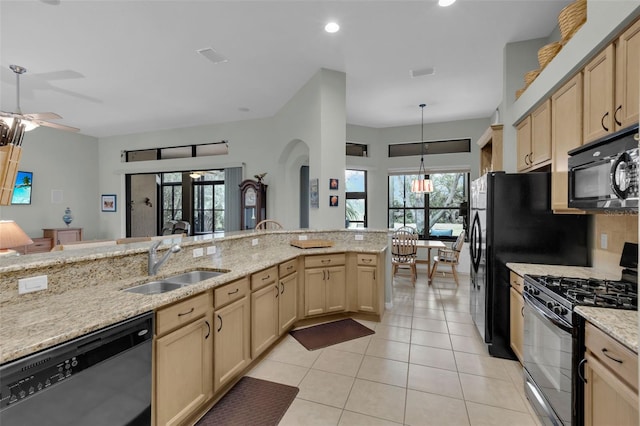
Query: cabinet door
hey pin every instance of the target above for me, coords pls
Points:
(231, 341)
(68, 236)
(607, 400)
(367, 289)
(628, 77)
(523, 136)
(598, 95)
(264, 318)
(183, 371)
(314, 291)
(516, 322)
(336, 290)
(288, 302)
(566, 134)
(541, 134)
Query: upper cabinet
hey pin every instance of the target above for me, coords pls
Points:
(534, 139)
(611, 88)
(490, 144)
(566, 134)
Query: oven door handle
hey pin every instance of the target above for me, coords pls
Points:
(555, 321)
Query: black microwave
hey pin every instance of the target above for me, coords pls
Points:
(603, 174)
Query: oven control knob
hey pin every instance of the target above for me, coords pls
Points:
(22, 394)
(535, 291)
(559, 310)
(550, 305)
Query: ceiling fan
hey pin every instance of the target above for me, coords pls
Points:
(14, 124)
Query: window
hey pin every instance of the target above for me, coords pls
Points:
(357, 149)
(356, 198)
(208, 202)
(171, 196)
(442, 207)
(167, 153)
(432, 147)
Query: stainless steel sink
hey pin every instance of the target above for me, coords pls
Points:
(192, 277)
(154, 287)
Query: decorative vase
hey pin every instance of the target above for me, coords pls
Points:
(67, 217)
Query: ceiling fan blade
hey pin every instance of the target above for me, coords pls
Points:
(56, 126)
(43, 116)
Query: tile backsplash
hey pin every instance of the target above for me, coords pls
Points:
(619, 227)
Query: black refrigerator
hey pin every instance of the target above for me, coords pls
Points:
(511, 221)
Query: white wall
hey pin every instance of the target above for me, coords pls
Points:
(59, 161)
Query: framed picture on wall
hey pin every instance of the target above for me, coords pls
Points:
(22, 188)
(334, 184)
(333, 201)
(108, 202)
(314, 197)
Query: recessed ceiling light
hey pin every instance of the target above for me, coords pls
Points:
(332, 27)
(422, 72)
(445, 3)
(244, 109)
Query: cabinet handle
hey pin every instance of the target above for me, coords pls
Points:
(324, 275)
(605, 352)
(374, 275)
(367, 260)
(220, 318)
(580, 369)
(531, 158)
(522, 311)
(282, 287)
(185, 313)
(325, 261)
(208, 330)
(602, 121)
(277, 292)
(615, 115)
(290, 267)
(526, 160)
(233, 292)
(328, 275)
(266, 278)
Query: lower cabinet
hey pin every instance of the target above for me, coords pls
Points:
(325, 284)
(183, 366)
(517, 323)
(611, 388)
(367, 283)
(264, 310)
(288, 302)
(231, 332)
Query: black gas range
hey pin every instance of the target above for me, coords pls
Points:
(553, 341)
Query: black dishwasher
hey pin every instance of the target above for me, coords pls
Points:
(102, 378)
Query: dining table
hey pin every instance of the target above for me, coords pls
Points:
(428, 245)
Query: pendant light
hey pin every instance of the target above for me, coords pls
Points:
(422, 184)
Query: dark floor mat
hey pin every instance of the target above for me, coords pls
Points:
(331, 333)
(251, 402)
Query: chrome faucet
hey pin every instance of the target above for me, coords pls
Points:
(154, 263)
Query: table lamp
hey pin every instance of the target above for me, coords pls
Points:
(11, 235)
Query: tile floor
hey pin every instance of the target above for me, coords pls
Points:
(425, 365)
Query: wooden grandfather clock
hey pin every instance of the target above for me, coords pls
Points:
(253, 203)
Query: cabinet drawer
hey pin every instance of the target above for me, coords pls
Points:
(619, 359)
(182, 312)
(324, 260)
(288, 268)
(230, 292)
(263, 278)
(367, 259)
(516, 281)
(40, 245)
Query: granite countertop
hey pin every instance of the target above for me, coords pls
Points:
(45, 321)
(620, 324)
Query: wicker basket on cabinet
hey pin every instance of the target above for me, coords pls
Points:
(547, 53)
(571, 19)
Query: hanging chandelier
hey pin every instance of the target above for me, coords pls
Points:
(422, 184)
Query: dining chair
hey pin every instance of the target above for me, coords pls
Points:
(268, 224)
(450, 257)
(404, 248)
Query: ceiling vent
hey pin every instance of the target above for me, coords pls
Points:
(422, 72)
(212, 55)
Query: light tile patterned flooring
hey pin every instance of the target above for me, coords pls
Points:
(425, 365)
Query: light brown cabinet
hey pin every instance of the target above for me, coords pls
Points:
(288, 297)
(63, 235)
(534, 138)
(232, 328)
(39, 245)
(566, 134)
(325, 284)
(183, 376)
(611, 88)
(490, 144)
(516, 315)
(264, 310)
(367, 281)
(611, 388)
